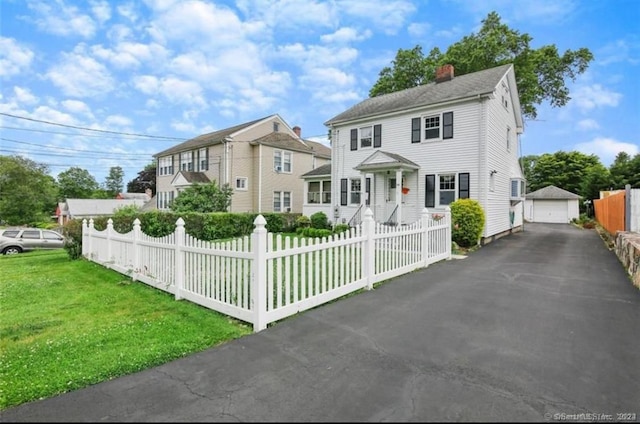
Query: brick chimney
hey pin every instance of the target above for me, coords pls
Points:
(297, 130)
(444, 73)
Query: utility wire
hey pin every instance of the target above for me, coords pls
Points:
(76, 150)
(91, 129)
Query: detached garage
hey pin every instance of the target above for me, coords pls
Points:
(552, 205)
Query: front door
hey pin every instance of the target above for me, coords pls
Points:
(390, 194)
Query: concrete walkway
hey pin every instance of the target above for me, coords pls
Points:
(532, 327)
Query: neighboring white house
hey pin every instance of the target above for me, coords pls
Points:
(317, 191)
(261, 160)
(551, 204)
(94, 208)
(457, 137)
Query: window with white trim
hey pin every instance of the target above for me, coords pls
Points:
(436, 127)
(282, 201)
(164, 199)
(447, 188)
(282, 161)
(242, 183)
(366, 136)
(186, 161)
(356, 189)
(165, 166)
(203, 159)
(319, 192)
(508, 139)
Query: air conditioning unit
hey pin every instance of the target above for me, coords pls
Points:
(278, 169)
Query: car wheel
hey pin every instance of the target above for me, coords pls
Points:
(11, 250)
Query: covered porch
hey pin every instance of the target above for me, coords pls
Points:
(391, 189)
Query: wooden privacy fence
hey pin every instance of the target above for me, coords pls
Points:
(620, 211)
(265, 277)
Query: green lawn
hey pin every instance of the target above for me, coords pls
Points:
(68, 324)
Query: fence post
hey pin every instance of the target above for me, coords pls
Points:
(424, 221)
(369, 254)
(91, 228)
(136, 249)
(85, 233)
(179, 261)
(259, 274)
(109, 247)
(447, 217)
(627, 207)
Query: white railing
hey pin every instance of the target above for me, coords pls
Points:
(266, 277)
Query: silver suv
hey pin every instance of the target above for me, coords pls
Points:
(17, 240)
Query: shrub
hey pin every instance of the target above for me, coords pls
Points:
(341, 228)
(316, 232)
(319, 220)
(72, 232)
(302, 221)
(467, 221)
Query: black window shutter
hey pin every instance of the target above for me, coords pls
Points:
(377, 135)
(430, 195)
(343, 191)
(415, 130)
(463, 185)
(447, 129)
(354, 139)
(172, 164)
(367, 184)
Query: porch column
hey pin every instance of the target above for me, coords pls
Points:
(399, 195)
(363, 190)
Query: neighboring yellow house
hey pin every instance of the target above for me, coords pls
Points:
(262, 161)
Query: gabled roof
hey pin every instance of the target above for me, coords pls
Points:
(142, 196)
(321, 171)
(460, 87)
(203, 140)
(552, 192)
(284, 140)
(381, 160)
(190, 177)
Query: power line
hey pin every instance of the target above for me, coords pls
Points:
(91, 129)
(71, 134)
(77, 150)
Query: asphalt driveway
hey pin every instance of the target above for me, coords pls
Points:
(536, 326)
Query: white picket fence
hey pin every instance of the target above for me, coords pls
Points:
(266, 277)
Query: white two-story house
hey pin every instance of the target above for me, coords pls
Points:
(425, 147)
(261, 160)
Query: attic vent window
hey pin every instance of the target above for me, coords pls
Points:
(276, 126)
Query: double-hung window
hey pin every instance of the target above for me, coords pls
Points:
(282, 161)
(356, 189)
(186, 161)
(443, 189)
(447, 188)
(165, 166)
(319, 192)
(203, 159)
(432, 127)
(366, 136)
(282, 201)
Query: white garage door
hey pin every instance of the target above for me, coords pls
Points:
(553, 211)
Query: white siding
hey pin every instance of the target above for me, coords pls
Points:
(456, 155)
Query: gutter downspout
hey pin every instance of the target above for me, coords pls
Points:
(483, 165)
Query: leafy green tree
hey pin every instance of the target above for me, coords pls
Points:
(625, 170)
(28, 194)
(76, 183)
(145, 179)
(203, 198)
(566, 170)
(596, 178)
(540, 73)
(113, 182)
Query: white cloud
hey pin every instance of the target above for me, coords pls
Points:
(80, 75)
(24, 96)
(345, 35)
(542, 11)
(623, 50)
(14, 58)
(77, 107)
(290, 14)
(587, 125)
(118, 121)
(388, 15)
(131, 55)
(101, 10)
(607, 148)
(589, 97)
(418, 30)
(61, 19)
(314, 56)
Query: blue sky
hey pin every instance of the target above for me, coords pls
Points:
(175, 69)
